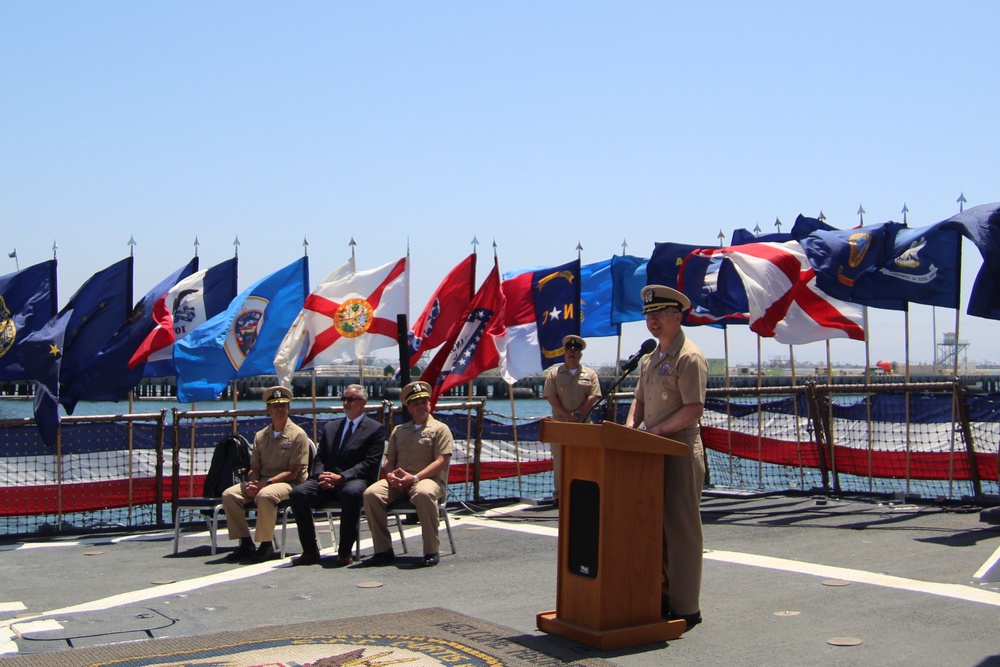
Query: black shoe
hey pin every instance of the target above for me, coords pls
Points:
(245, 552)
(430, 560)
(307, 558)
(691, 619)
(264, 552)
(382, 558)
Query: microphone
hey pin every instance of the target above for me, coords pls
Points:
(648, 346)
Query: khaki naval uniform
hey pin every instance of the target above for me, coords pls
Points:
(274, 454)
(413, 448)
(571, 390)
(670, 379)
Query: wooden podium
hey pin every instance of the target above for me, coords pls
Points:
(610, 536)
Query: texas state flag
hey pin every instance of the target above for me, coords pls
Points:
(542, 306)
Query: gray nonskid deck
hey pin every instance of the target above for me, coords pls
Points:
(784, 576)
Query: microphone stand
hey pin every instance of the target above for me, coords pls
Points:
(606, 394)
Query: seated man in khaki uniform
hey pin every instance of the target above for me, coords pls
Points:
(278, 462)
(416, 465)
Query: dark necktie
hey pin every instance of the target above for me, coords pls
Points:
(347, 434)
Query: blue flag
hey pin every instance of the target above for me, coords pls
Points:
(27, 302)
(981, 225)
(41, 355)
(99, 308)
(628, 277)
(665, 262)
(845, 259)
(243, 340)
(595, 300)
(924, 268)
(717, 294)
(107, 377)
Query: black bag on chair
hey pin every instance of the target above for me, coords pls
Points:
(230, 465)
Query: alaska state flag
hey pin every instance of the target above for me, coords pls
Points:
(27, 302)
(185, 306)
(596, 286)
(41, 355)
(242, 340)
(541, 308)
(107, 376)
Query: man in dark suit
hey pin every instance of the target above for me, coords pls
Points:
(348, 459)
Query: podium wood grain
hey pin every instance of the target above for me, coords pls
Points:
(620, 606)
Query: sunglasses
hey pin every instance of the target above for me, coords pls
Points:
(574, 346)
(350, 399)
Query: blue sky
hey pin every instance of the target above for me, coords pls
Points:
(537, 125)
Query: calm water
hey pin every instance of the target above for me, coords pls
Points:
(16, 408)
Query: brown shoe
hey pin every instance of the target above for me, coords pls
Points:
(306, 558)
(344, 561)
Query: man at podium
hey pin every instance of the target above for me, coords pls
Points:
(669, 399)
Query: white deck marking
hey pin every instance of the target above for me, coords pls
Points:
(8, 607)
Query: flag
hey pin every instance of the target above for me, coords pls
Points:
(628, 277)
(186, 305)
(296, 342)
(99, 309)
(41, 355)
(717, 296)
(472, 348)
(924, 268)
(84, 324)
(107, 376)
(27, 302)
(596, 288)
(345, 318)
(784, 300)
(540, 309)
(242, 340)
(12, 254)
(444, 311)
(665, 262)
(711, 307)
(844, 258)
(981, 225)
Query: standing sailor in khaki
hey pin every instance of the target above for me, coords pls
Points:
(416, 467)
(278, 462)
(572, 389)
(669, 400)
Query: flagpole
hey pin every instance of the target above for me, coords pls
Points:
(906, 379)
(517, 446)
(760, 417)
(470, 391)
(13, 255)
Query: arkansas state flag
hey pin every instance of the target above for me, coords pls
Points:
(183, 308)
(784, 301)
(345, 318)
(472, 347)
(444, 311)
(541, 308)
